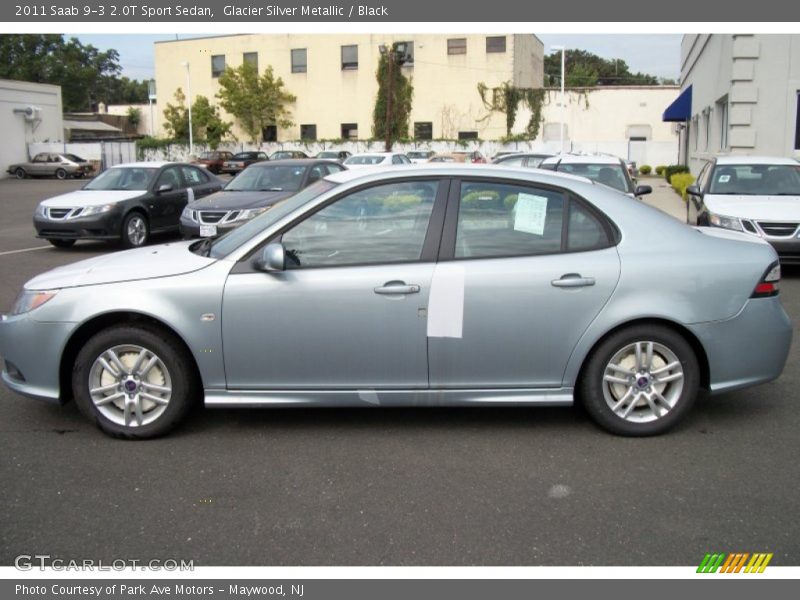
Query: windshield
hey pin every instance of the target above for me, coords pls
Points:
(756, 180)
(123, 178)
(373, 159)
(209, 156)
(236, 237)
(268, 178)
(418, 154)
(614, 176)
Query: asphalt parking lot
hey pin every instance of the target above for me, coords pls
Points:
(394, 486)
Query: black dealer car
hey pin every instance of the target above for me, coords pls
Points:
(126, 202)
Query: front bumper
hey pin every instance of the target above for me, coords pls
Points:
(31, 353)
(788, 249)
(191, 229)
(748, 349)
(105, 226)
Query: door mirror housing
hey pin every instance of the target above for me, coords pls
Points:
(642, 190)
(166, 187)
(694, 190)
(272, 258)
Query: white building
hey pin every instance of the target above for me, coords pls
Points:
(740, 94)
(29, 113)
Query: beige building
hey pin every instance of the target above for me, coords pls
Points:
(333, 78)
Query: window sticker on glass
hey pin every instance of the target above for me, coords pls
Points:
(529, 214)
(724, 178)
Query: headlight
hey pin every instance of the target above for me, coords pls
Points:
(41, 210)
(725, 222)
(96, 210)
(29, 300)
(190, 214)
(248, 214)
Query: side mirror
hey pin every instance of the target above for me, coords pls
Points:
(693, 190)
(166, 187)
(272, 258)
(642, 190)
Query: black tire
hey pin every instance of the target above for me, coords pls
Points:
(61, 174)
(138, 222)
(20, 173)
(597, 395)
(173, 355)
(61, 243)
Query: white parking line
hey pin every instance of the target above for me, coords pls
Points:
(23, 250)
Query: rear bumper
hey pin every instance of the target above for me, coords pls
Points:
(748, 349)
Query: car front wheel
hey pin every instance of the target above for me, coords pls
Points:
(135, 231)
(640, 381)
(134, 382)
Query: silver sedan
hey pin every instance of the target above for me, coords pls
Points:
(422, 285)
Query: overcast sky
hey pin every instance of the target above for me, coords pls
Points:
(654, 54)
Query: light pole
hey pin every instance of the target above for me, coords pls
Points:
(563, 104)
(189, 102)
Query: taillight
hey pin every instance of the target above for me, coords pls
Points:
(770, 282)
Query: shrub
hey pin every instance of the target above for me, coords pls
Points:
(672, 170)
(660, 169)
(645, 169)
(681, 181)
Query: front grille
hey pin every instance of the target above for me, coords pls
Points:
(209, 217)
(58, 213)
(778, 229)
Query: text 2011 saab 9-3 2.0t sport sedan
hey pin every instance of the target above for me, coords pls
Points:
(420, 285)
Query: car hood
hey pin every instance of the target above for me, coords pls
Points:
(130, 265)
(238, 200)
(760, 208)
(91, 198)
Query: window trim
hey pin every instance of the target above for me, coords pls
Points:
(459, 47)
(447, 247)
(497, 37)
(217, 74)
(297, 69)
(348, 66)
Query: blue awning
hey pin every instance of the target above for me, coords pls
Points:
(681, 108)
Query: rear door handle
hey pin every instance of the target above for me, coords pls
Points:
(572, 280)
(392, 288)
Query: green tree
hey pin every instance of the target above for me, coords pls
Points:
(402, 95)
(207, 124)
(86, 75)
(134, 117)
(584, 69)
(255, 101)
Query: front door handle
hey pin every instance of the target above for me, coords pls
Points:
(572, 280)
(391, 288)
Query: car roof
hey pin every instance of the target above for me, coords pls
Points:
(582, 159)
(455, 170)
(376, 154)
(293, 162)
(741, 159)
(150, 164)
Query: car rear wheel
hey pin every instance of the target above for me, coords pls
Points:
(61, 174)
(20, 173)
(135, 231)
(134, 382)
(640, 381)
(61, 243)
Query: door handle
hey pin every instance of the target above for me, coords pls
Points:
(572, 280)
(391, 288)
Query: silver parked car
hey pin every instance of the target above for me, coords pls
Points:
(428, 285)
(52, 164)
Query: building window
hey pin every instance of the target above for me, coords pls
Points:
(350, 131)
(722, 110)
(308, 132)
(349, 57)
(217, 65)
(707, 128)
(496, 44)
(468, 135)
(250, 58)
(797, 125)
(423, 130)
(299, 60)
(270, 133)
(409, 52)
(457, 46)
(695, 132)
